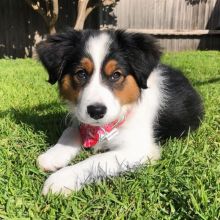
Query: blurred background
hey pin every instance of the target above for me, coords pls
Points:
(178, 24)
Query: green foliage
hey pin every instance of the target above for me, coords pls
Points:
(184, 184)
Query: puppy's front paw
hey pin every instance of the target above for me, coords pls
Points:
(64, 181)
(55, 158)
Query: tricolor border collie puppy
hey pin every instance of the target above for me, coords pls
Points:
(122, 100)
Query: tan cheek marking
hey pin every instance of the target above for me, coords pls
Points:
(67, 91)
(129, 93)
(110, 67)
(87, 64)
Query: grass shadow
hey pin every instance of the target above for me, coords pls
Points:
(205, 82)
(47, 118)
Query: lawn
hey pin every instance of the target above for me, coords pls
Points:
(184, 184)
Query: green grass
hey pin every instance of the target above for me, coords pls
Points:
(184, 184)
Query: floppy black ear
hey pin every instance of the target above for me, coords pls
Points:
(54, 51)
(143, 54)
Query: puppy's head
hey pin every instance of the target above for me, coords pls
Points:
(99, 72)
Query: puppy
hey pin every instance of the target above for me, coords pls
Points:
(121, 100)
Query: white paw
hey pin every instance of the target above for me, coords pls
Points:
(63, 181)
(55, 158)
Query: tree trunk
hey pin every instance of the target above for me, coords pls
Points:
(52, 29)
(53, 17)
(81, 16)
(83, 11)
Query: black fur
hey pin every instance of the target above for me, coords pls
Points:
(60, 50)
(183, 109)
(141, 52)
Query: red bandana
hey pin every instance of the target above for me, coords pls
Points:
(92, 135)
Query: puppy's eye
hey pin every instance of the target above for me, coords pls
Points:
(116, 76)
(81, 75)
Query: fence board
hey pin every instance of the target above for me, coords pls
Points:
(164, 17)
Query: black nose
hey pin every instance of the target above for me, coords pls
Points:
(96, 111)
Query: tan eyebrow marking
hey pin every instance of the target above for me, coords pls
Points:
(87, 64)
(110, 67)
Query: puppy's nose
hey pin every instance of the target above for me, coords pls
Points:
(96, 111)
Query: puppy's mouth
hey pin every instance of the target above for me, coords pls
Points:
(93, 122)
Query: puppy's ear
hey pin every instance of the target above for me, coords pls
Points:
(142, 52)
(54, 51)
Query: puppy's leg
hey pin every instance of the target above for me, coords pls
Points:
(111, 163)
(62, 153)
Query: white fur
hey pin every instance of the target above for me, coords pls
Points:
(62, 153)
(134, 145)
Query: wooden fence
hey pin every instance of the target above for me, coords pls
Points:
(178, 24)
